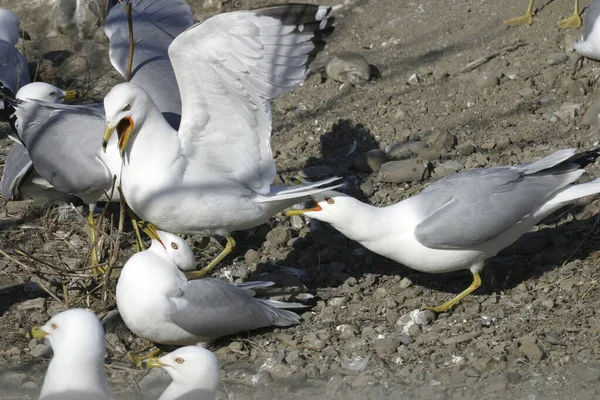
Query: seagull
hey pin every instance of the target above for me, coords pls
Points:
(20, 181)
(589, 43)
(158, 303)
(460, 221)
(63, 141)
(574, 21)
(14, 71)
(76, 370)
(214, 175)
(195, 372)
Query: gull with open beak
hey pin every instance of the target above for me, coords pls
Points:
(76, 370)
(214, 175)
(460, 221)
(195, 372)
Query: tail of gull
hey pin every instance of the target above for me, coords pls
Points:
(299, 192)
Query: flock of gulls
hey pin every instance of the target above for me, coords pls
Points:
(187, 138)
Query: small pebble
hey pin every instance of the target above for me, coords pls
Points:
(486, 80)
(404, 171)
(348, 66)
(557, 58)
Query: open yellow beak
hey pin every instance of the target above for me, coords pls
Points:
(71, 95)
(38, 333)
(289, 213)
(150, 230)
(152, 362)
(123, 128)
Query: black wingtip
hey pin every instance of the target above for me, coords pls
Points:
(584, 158)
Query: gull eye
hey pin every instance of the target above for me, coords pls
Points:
(127, 107)
(179, 360)
(174, 246)
(53, 326)
(329, 200)
(52, 94)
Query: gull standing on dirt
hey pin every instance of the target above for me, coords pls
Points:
(195, 372)
(19, 180)
(14, 71)
(76, 370)
(214, 175)
(460, 221)
(63, 141)
(574, 21)
(589, 43)
(158, 303)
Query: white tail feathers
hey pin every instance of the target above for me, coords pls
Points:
(300, 191)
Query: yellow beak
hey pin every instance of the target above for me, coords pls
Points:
(152, 362)
(289, 213)
(150, 230)
(38, 333)
(108, 131)
(71, 95)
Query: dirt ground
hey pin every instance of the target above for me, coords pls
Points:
(530, 332)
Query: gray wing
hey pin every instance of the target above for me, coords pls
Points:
(156, 23)
(63, 143)
(592, 13)
(17, 167)
(475, 206)
(212, 308)
(14, 71)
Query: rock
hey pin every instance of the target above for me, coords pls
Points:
(466, 149)
(14, 379)
(529, 348)
(587, 373)
(82, 19)
(386, 346)
(33, 304)
(372, 161)
(486, 80)
(40, 350)
(348, 66)
(404, 171)
(557, 58)
(252, 257)
(413, 80)
(405, 283)
(367, 188)
(441, 139)
(405, 339)
(422, 317)
(279, 236)
(568, 111)
(404, 150)
(30, 386)
(576, 88)
(431, 154)
(317, 172)
(592, 114)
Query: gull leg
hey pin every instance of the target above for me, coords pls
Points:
(574, 21)
(96, 269)
(137, 360)
(525, 19)
(139, 243)
(206, 270)
(451, 303)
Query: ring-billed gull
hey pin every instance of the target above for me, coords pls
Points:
(460, 221)
(195, 372)
(76, 370)
(63, 141)
(214, 175)
(19, 180)
(589, 43)
(14, 71)
(158, 303)
(574, 21)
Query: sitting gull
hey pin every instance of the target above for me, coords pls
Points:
(460, 221)
(195, 372)
(76, 370)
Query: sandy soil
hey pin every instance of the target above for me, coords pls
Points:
(531, 331)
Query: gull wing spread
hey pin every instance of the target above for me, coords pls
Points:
(213, 308)
(155, 23)
(227, 69)
(475, 206)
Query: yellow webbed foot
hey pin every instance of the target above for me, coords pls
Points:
(451, 303)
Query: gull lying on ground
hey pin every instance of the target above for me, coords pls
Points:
(158, 303)
(76, 370)
(214, 175)
(195, 372)
(460, 221)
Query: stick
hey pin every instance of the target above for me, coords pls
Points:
(480, 61)
(132, 43)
